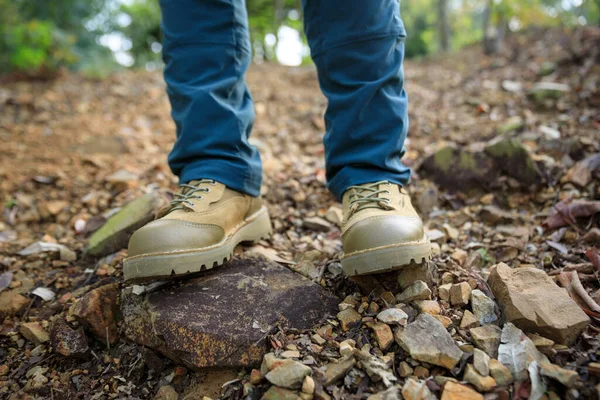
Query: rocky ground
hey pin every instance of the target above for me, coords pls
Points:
(506, 153)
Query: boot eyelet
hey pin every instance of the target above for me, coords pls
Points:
(207, 190)
(387, 191)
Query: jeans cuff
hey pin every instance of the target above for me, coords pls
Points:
(239, 179)
(349, 176)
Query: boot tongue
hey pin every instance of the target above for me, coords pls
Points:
(368, 191)
(181, 204)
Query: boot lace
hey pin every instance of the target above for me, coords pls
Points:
(187, 192)
(368, 196)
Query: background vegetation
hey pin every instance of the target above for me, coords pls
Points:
(99, 36)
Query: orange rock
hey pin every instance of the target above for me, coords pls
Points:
(98, 310)
(456, 391)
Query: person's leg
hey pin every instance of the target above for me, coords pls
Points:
(206, 49)
(358, 48)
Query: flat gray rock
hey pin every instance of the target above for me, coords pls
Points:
(426, 339)
(221, 318)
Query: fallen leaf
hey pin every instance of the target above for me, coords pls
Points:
(594, 257)
(376, 369)
(538, 384)
(592, 236)
(44, 293)
(5, 280)
(271, 254)
(565, 212)
(581, 173)
(557, 246)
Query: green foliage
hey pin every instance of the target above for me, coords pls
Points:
(45, 35)
(49, 34)
(143, 30)
(36, 44)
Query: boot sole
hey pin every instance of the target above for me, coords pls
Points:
(386, 258)
(150, 267)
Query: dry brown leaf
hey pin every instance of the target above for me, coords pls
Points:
(581, 173)
(592, 236)
(565, 212)
(594, 257)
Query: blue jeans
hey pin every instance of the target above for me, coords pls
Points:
(358, 48)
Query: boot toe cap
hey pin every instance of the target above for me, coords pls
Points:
(381, 231)
(170, 235)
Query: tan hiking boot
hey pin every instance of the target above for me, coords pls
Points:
(198, 230)
(381, 230)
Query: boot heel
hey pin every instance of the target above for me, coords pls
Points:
(258, 229)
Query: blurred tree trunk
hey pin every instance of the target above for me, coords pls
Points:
(278, 14)
(493, 33)
(443, 25)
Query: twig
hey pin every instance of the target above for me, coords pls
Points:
(579, 289)
(27, 310)
(582, 268)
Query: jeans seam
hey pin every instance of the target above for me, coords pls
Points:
(399, 33)
(239, 75)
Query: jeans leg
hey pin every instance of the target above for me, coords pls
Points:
(358, 48)
(207, 50)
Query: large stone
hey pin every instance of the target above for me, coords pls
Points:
(98, 311)
(514, 160)
(426, 339)
(459, 168)
(115, 232)
(221, 318)
(534, 303)
(517, 351)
